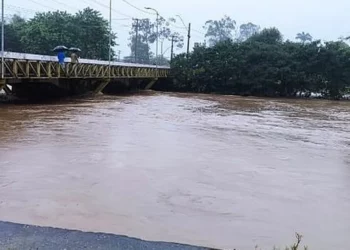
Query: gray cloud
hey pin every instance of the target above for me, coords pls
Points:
(323, 19)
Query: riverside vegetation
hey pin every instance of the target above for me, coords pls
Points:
(261, 63)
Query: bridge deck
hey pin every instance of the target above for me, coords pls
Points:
(32, 66)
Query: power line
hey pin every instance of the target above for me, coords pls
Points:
(200, 32)
(178, 27)
(64, 4)
(135, 7)
(20, 9)
(121, 19)
(42, 5)
(103, 5)
(123, 25)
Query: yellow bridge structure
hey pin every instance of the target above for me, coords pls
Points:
(26, 73)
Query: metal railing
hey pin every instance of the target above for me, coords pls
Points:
(30, 66)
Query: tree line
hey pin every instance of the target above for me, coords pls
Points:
(86, 29)
(258, 62)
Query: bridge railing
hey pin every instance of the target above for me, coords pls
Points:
(19, 66)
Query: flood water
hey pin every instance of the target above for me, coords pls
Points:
(218, 171)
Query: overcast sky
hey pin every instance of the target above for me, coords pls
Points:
(323, 19)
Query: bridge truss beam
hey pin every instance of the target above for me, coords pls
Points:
(28, 69)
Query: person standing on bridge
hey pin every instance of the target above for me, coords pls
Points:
(74, 54)
(61, 56)
(74, 58)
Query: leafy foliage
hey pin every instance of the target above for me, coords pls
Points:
(220, 30)
(87, 30)
(143, 51)
(265, 65)
(178, 40)
(247, 30)
(147, 34)
(145, 30)
(13, 34)
(304, 37)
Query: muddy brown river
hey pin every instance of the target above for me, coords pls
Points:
(218, 171)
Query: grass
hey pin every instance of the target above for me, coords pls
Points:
(295, 246)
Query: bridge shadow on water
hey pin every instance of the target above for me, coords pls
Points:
(13, 100)
(67, 92)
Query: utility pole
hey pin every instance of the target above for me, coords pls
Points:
(119, 51)
(136, 38)
(110, 39)
(2, 39)
(172, 49)
(157, 20)
(188, 40)
(157, 59)
(188, 35)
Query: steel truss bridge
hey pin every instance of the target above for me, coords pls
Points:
(23, 72)
(31, 66)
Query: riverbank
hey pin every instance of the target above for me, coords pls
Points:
(24, 237)
(169, 87)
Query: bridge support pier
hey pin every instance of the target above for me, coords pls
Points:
(101, 85)
(150, 85)
(37, 89)
(4, 87)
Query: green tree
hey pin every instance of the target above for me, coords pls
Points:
(143, 51)
(269, 36)
(145, 30)
(247, 30)
(265, 65)
(87, 30)
(335, 67)
(47, 30)
(92, 35)
(304, 37)
(147, 34)
(219, 30)
(178, 40)
(13, 32)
